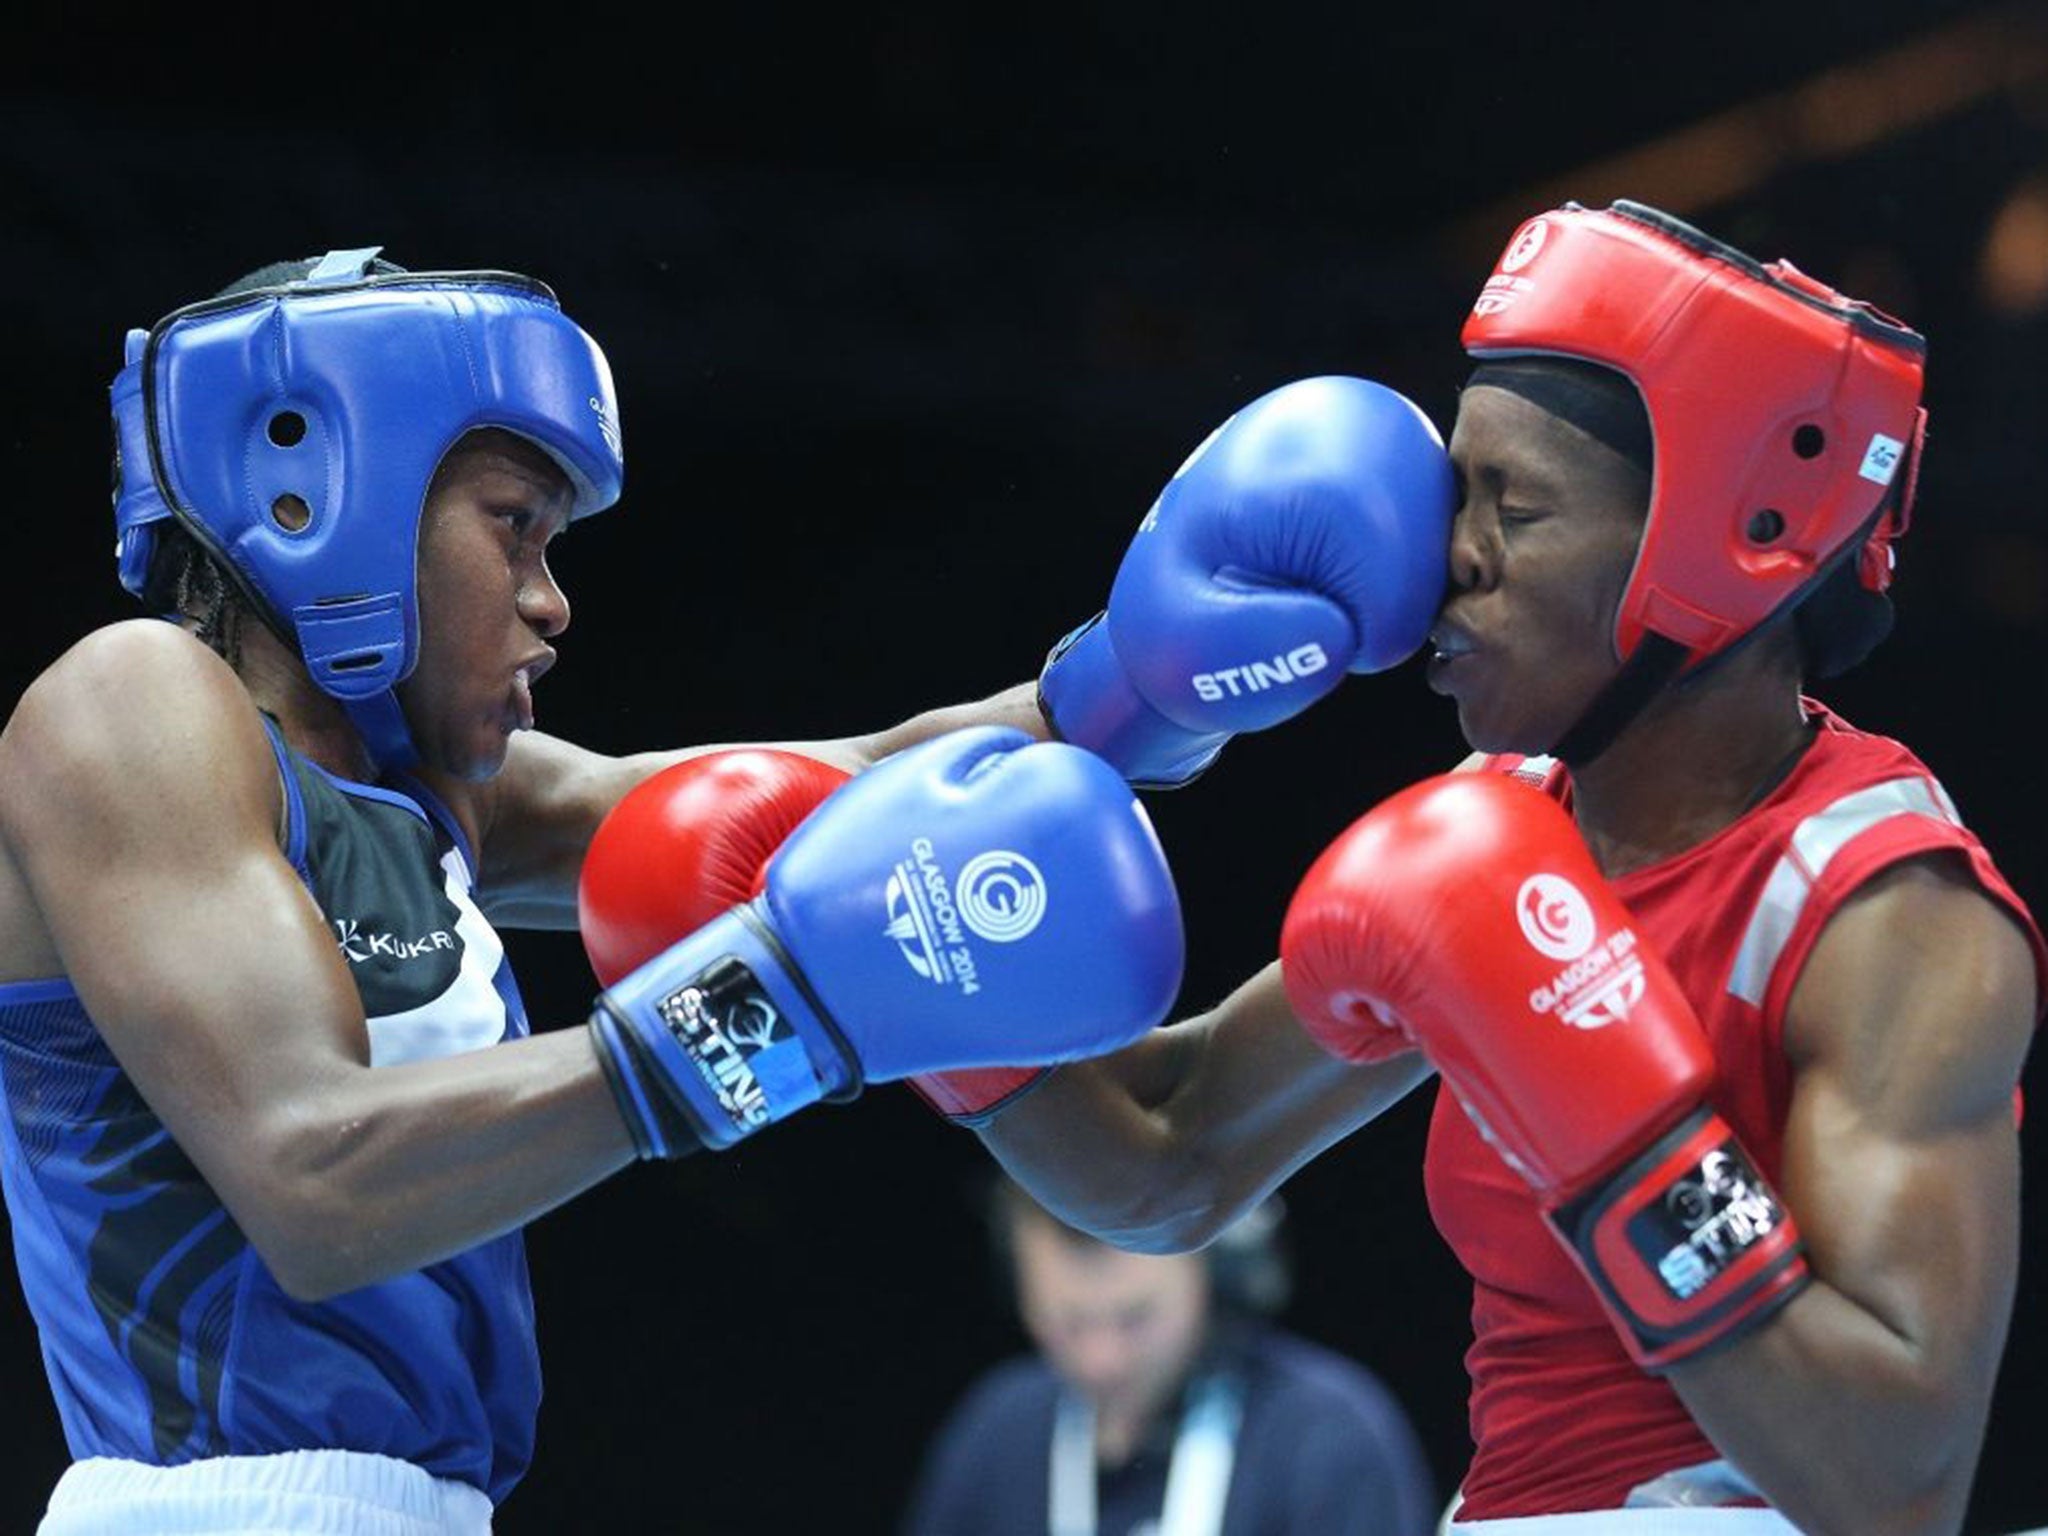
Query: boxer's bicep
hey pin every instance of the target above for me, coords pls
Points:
(143, 807)
(1906, 1034)
(1163, 1144)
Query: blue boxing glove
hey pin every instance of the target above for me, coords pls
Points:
(1308, 537)
(978, 900)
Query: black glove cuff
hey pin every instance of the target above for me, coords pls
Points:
(676, 1127)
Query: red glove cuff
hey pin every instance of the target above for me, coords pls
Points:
(973, 1096)
(1688, 1246)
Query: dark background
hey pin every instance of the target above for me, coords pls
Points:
(911, 316)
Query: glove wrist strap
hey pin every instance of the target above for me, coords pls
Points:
(1088, 699)
(718, 1034)
(1688, 1246)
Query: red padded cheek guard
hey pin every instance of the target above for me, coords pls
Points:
(1782, 412)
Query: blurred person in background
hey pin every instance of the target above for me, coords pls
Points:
(1161, 1399)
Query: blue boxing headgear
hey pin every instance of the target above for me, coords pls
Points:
(293, 431)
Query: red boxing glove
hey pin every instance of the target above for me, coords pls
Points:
(689, 842)
(1466, 914)
(685, 844)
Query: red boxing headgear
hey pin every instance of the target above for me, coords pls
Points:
(1782, 412)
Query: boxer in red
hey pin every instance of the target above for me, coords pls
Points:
(1730, 1003)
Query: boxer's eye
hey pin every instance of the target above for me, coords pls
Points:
(520, 522)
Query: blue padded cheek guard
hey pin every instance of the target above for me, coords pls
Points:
(347, 398)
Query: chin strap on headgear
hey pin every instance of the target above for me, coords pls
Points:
(293, 431)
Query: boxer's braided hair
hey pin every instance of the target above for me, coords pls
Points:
(184, 578)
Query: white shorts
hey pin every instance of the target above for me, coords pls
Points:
(295, 1493)
(1635, 1522)
(1684, 1502)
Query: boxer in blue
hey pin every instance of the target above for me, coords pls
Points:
(275, 1115)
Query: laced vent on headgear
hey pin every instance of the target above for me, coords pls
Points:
(1786, 425)
(289, 427)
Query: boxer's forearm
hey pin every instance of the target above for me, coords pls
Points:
(1160, 1146)
(1015, 706)
(1841, 1422)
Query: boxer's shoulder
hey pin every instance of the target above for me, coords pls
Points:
(133, 733)
(116, 696)
(132, 713)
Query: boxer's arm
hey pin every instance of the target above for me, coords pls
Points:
(140, 800)
(1160, 1146)
(1015, 706)
(534, 821)
(1861, 1406)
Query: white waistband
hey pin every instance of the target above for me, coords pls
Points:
(1635, 1522)
(304, 1493)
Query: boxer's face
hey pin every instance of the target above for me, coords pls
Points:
(1546, 534)
(1122, 1329)
(488, 602)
